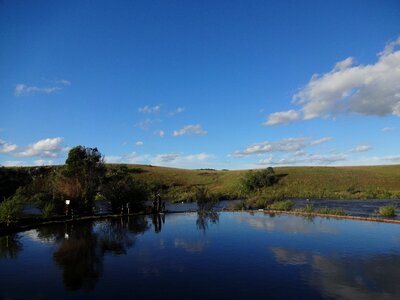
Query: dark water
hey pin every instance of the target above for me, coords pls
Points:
(203, 256)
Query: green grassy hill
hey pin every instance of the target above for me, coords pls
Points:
(303, 182)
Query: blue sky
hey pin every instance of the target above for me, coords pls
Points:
(201, 84)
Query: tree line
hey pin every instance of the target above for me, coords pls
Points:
(83, 179)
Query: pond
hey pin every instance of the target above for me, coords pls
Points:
(204, 255)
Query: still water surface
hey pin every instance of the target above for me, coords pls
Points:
(203, 256)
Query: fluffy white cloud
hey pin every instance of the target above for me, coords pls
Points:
(6, 147)
(51, 147)
(321, 140)
(198, 160)
(283, 117)
(139, 143)
(361, 148)
(132, 158)
(284, 145)
(181, 160)
(23, 89)
(190, 130)
(150, 109)
(387, 129)
(308, 159)
(364, 89)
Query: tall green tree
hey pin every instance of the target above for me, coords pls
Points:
(85, 168)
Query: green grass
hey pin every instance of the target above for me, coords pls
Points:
(282, 205)
(365, 182)
(330, 211)
(380, 182)
(387, 211)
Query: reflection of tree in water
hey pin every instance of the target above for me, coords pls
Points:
(205, 209)
(114, 235)
(79, 258)
(204, 218)
(158, 220)
(10, 246)
(83, 246)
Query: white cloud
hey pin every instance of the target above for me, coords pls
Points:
(139, 143)
(132, 158)
(150, 109)
(387, 129)
(393, 158)
(160, 133)
(283, 117)
(51, 147)
(283, 145)
(321, 141)
(190, 130)
(178, 110)
(23, 89)
(181, 160)
(7, 147)
(164, 159)
(43, 162)
(308, 159)
(363, 89)
(361, 148)
(13, 163)
(145, 124)
(65, 82)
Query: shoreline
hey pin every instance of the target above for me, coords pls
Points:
(22, 228)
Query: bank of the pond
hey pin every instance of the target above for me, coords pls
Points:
(43, 222)
(25, 227)
(312, 214)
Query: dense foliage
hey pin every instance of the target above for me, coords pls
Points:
(121, 189)
(84, 172)
(83, 179)
(256, 180)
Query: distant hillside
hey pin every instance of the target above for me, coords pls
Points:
(304, 182)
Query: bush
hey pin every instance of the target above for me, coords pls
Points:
(48, 210)
(387, 211)
(10, 211)
(282, 205)
(255, 180)
(205, 200)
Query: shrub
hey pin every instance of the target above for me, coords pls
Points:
(10, 211)
(205, 200)
(387, 211)
(255, 180)
(282, 205)
(48, 210)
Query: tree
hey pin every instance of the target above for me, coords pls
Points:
(84, 168)
(120, 189)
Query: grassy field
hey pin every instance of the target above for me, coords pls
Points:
(303, 182)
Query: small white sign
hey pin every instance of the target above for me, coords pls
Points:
(67, 202)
